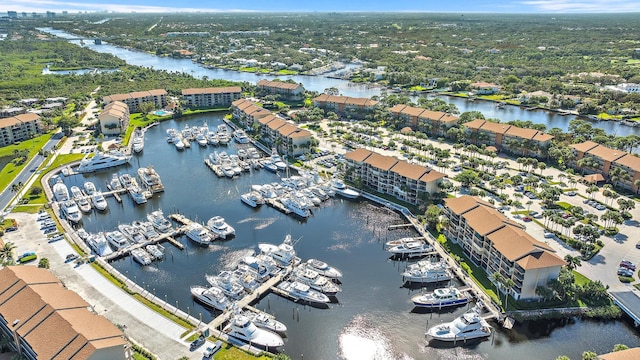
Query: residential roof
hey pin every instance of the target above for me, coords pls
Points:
(540, 259)
(158, 92)
(482, 84)
(381, 162)
(514, 243)
(412, 111)
(135, 95)
(240, 101)
(324, 98)
(521, 132)
(299, 133)
(432, 175)
(630, 161)
(584, 146)
(397, 108)
(593, 178)
(542, 137)
(408, 170)
(628, 354)
(287, 129)
(212, 90)
(245, 105)
(438, 116)
(483, 219)
(493, 127)
(276, 123)
(358, 155)
(278, 84)
(463, 204)
(474, 124)
(606, 153)
(28, 117)
(265, 120)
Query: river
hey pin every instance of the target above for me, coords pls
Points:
(346, 88)
(373, 318)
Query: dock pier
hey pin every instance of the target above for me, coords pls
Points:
(164, 237)
(277, 205)
(399, 226)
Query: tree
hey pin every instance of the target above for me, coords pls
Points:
(467, 178)
(6, 254)
(572, 262)
(67, 123)
(619, 347)
(432, 215)
(35, 191)
(589, 355)
(44, 263)
(563, 357)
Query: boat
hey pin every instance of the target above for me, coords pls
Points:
(137, 144)
(212, 138)
(245, 278)
(321, 194)
(252, 198)
(467, 326)
(141, 256)
(89, 188)
(440, 298)
(220, 227)
(98, 244)
(243, 329)
(60, 191)
(82, 234)
(198, 234)
(115, 183)
(341, 189)
(266, 321)
(316, 281)
(299, 291)
(148, 230)
(324, 269)
(127, 181)
(392, 243)
(155, 250)
(202, 140)
(411, 248)
(131, 232)
(117, 240)
(226, 283)
(500, 105)
(242, 154)
(223, 139)
(240, 136)
(102, 161)
(99, 202)
(311, 196)
(427, 272)
(179, 144)
(150, 179)
(265, 190)
(262, 268)
(295, 206)
(211, 296)
(284, 254)
(227, 169)
(80, 199)
(158, 221)
(277, 160)
(71, 211)
(137, 194)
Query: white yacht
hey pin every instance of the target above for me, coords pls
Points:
(60, 190)
(220, 227)
(198, 234)
(262, 270)
(252, 199)
(341, 189)
(324, 269)
(71, 211)
(300, 291)
(141, 256)
(201, 139)
(99, 202)
(179, 144)
(284, 254)
(245, 278)
(150, 179)
(267, 164)
(240, 136)
(295, 206)
(227, 169)
(316, 281)
(223, 139)
(321, 194)
(137, 194)
(241, 328)
(225, 281)
(127, 181)
(277, 160)
(89, 188)
(265, 190)
(98, 244)
(311, 196)
(115, 183)
(147, 229)
(411, 248)
(266, 321)
(440, 298)
(117, 240)
(103, 161)
(80, 199)
(131, 232)
(467, 326)
(211, 296)
(137, 144)
(212, 138)
(427, 272)
(82, 234)
(158, 221)
(155, 250)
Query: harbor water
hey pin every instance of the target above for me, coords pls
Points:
(373, 317)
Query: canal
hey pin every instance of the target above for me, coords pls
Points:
(373, 318)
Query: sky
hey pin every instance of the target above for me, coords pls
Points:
(458, 6)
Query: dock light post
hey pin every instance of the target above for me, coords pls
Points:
(188, 314)
(200, 319)
(176, 306)
(154, 292)
(165, 300)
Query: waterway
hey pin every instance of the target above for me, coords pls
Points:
(346, 88)
(373, 318)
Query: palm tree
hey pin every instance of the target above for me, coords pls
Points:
(6, 253)
(572, 262)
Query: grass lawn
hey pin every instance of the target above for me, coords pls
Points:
(233, 353)
(287, 72)
(491, 97)
(10, 171)
(564, 205)
(605, 116)
(579, 278)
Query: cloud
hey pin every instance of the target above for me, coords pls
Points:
(30, 6)
(584, 6)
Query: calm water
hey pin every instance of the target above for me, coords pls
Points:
(373, 319)
(318, 83)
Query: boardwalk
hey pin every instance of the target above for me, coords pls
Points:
(164, 237)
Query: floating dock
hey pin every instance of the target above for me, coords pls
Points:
(164, 237)
(277, 205)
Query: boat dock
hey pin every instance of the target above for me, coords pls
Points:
(126, 251)
(186, 222)
(399, 226)
(215, 168)
(277, 205)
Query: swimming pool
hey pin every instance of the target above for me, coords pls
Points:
(162, 113)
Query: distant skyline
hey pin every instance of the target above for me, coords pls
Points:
(460, 6)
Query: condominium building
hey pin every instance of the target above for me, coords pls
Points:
(428, 121)
(519, 141)
(211, 97)
(19, 128)
(499, 245)
(114, 118)
(247, 112)
(45, 320)
(356, 108)
(288, 91)
(604, 160)
(158, 97)
(388, 175)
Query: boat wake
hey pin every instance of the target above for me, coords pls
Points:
(361, 340)
(261, 222)
(230, 259)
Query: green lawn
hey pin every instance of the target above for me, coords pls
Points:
(287, 72)
(11, 170)
(233, 353)
(579, 278)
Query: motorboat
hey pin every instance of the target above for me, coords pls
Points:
(427, 272)
(242, 154)
(411, 249)
(252, 199)
(98, 244)
(198, 234)
(158, 221)
(243, 329)
(147, 229)
(343, 190)
(440, 298)
(262, 268)
(99, 202)
(201, 139)
(71, 211)
(141, 256)
(223, 139)
(155, 250)
(245, 278)
(179, 144)
(211, 296)
(117, 240)
(225, 281)
(102, 161)
(137, 144)
(137, 194)
(127, 181)
(324, 269)
(187, 132)
(212, 138)
(319, 193)
(82, 234)
(467, 326)
(266, 321)
(131, 232)
(301, 292)
(277, 160)
(227, 169)
(115, 183)
(150, 179)
(284, 254)
(89, 188)
(60, 190)
(311, 196)
(393, 243)
(220, 227)
(253, 153)
(240, 136)
(316, 281)
(267, 164)
(295, 205)
(265, 190)
(80, 199)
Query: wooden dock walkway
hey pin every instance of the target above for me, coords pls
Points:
(215, 168)
(164, 237)
(277, 205)
(399, 226)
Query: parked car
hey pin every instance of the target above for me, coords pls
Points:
(571, 193)
(622, 271)
(26, 257)
(211, 350)
(628, 264)
(197, 343)
(549, 235)
(526, 219)
(638, 245)
(601, 207)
